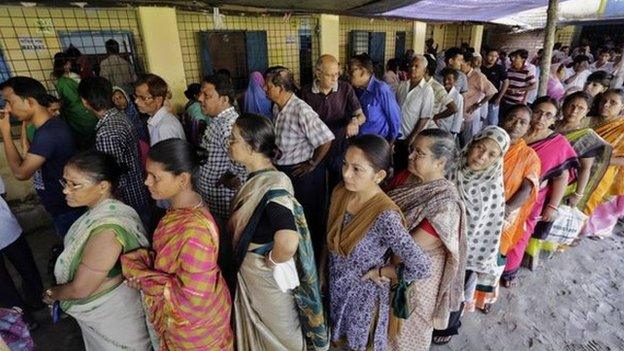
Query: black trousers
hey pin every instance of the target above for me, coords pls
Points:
(311, 192)
(21, 257)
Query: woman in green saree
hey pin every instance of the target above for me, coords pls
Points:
(593, 152)
(88, 271)
(278, 301)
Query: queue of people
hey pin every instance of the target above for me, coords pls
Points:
(345, 215)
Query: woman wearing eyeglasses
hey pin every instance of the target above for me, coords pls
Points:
(558, 166)
(88, 271)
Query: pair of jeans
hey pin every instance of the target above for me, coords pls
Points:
(21, 257)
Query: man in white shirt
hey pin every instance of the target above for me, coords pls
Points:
(416, 98)
(453, 123)
(581, 71)
(151, 92)
(603, 63)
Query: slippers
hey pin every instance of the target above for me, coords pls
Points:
(441, 340)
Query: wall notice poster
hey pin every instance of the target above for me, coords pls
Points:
(31, 44)
(44, 26)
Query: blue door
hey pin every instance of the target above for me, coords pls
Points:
(377, 51)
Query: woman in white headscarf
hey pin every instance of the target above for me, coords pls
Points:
(479, 178)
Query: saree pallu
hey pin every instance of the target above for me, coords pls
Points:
(103, 316)
(611, 184)
(186, 296)
(520, 163)
(266, 317)
(114, 321)
(588, 144)
(434, 298)
(556, 155)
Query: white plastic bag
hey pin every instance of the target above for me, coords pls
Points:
(286, 276)
(567, 225)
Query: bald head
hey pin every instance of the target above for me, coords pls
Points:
(325, 60)
(327, 71)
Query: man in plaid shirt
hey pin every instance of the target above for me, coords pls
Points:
(114, 136)
(219, 178)
(304, 140)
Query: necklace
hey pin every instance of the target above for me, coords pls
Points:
(194, 207)
(199, 204)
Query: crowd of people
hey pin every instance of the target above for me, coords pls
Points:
(354, 213)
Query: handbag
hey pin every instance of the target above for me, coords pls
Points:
(400, 296)
(567, 226)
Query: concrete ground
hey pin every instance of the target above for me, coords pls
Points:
(574, 301)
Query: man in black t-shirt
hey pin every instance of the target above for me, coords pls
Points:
(27, 101)
(497, 74)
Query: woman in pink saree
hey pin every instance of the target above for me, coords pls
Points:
(558, 165)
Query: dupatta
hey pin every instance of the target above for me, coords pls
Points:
(247, 207)
(342, 239)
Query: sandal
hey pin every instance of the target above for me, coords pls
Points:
(441, 340)
(508, 283)
(486, 308)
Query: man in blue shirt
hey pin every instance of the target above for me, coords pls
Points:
(383, 114)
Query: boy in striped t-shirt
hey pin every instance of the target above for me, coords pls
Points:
(521, 80)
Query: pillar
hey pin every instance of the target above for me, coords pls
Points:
(329, 35)
(162, 50)
(549, 41)
(476, 37)
(420, 35)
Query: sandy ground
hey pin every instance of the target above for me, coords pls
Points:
(574, 301)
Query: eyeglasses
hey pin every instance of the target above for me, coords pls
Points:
(143, 98)
(418, 154)
(71, 187)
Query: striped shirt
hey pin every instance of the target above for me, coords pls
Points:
(518, 79)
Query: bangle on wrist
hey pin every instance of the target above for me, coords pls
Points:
(312, 163)
(553, 207)
(578, 194)
(271, 259)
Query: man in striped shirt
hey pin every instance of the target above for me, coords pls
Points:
(521, 80)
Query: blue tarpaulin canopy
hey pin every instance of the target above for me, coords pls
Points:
(464, 10)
